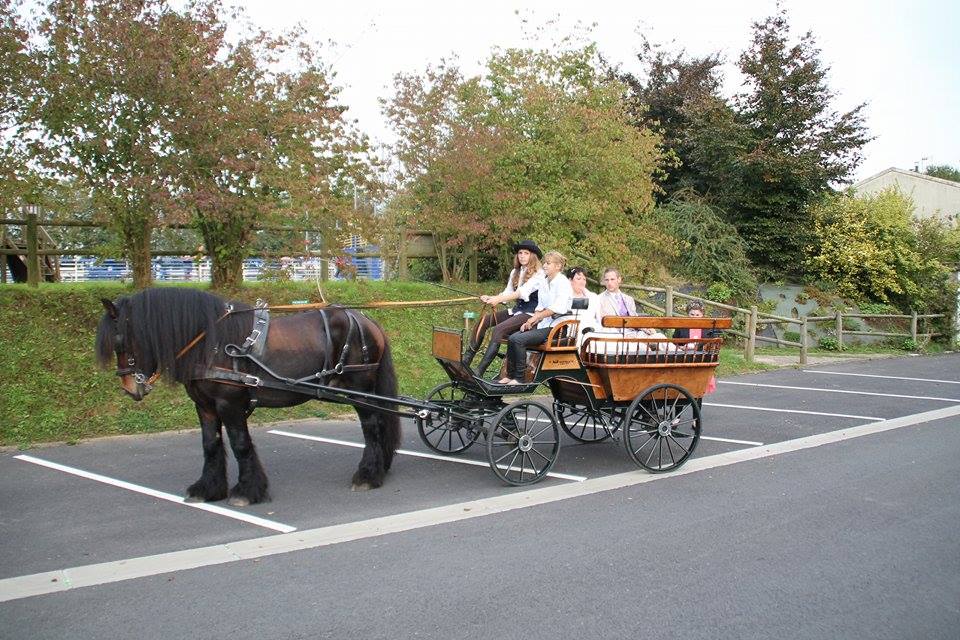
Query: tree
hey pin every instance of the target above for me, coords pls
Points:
(258, 137)
(711, 251)
(18, 181)
(796, 146)
(674, 97)
(542, 145)
(870, 248)
(97, 108)
(944, 171)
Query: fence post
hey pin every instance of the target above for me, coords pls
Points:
(3, 256)
(913, 326)
(839, 330)
(668, 303)
(33, 258)
(472, 271)
(324, 255)
(803, 341)
(751, 335)
(402, 269)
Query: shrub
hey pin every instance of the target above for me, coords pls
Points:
(910, 345)
(791, 336)
(719, 292)
(710, 249)
(829, 343)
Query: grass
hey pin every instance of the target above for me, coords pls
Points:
(51, 389)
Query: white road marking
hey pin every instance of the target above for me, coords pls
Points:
(162, 495)
(869, 375)
(131, 568)
(746, 442)
(811, 413)
(416, 454)
(857, 393)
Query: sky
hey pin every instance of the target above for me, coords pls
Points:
(901, 58)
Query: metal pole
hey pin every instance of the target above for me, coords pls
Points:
(33, 258)
(839, 330)
(751, 335)
(803, 341)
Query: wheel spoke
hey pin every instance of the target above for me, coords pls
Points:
(515, 448)
(682, 448)
(536, 451)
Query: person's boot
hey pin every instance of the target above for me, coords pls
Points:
(487, 359)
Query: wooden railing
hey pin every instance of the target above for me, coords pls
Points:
(754, 319)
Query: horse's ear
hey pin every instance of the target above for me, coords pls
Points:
(108, 305)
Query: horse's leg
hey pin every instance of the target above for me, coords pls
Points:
(251, 486)
(212, 484)
(377, 455)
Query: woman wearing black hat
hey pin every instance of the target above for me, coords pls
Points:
(522, 286)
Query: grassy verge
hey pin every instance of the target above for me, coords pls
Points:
(51, 389)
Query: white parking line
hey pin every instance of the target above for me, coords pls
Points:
(415, 454)
(119, 570)
(811, 413)
(869, 375)
(169, 497)
(857, 393)
(746, 442)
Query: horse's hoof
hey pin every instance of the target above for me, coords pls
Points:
(193, 499)
(363, 486)
(238, 501)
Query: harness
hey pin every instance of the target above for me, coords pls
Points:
(318, 383)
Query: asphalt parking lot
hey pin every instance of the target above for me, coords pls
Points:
(66, 509)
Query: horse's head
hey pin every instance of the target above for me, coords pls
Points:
(115, 335)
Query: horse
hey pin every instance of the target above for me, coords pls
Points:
(199, 340)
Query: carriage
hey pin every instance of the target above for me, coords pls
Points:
(233, 358)
(647, 389)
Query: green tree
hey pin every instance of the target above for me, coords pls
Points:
(796, 145)
(944, 171)
(872, 250)
(97, 109)
(710, 249)
(541, 144)
(258, 136)
(677, 95)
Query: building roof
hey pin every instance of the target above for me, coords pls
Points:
(910, 174)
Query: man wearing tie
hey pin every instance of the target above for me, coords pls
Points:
(614, 302)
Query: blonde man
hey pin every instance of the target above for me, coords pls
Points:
(554, 300)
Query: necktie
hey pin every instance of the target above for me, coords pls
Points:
(623, 305)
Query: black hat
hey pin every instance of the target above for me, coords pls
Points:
(529, 245)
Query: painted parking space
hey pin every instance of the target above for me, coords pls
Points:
(73, 520)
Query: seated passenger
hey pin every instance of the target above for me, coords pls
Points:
(589, 318)
(613, 302)
(694, 310)
(522, 285)
(554, 299)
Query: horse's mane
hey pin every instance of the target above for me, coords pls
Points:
(162, 321)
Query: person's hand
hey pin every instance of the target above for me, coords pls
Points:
(525, 326)
(486, 299)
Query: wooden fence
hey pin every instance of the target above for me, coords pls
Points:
(754, 318)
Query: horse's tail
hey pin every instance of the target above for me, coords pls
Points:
(387, 386)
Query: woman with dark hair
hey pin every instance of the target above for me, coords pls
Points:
(522, 285)
(590, 317)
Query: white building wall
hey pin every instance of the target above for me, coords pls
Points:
(932, 197)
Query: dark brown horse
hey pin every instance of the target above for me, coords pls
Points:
(186, 335)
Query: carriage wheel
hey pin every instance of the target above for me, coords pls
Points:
(523, 442)
(582, 424)
(441, 433)
(661, 428)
